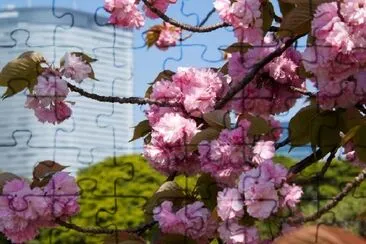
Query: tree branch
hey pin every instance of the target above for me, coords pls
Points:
(95, 230)
(282, 143)
(182, 25)
(122, 100)
(331, 204)
(302, 91)
(208, 15)
(253, 72)
(306, 162)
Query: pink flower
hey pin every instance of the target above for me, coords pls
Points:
(226, 157)
(269, 92)
(62, 194)
(167, 150)
(263, 150)
(244, 16)
(50, 87)
(230, 204)
(161, 5)
(124, 13)
(200, 88)
(75, 68)
(165, 90)
(291, 195)
(56, 113)
(168, 221)
(169, 35)
(20, 210)
(193, 220)
(261, 199)
(233, 233)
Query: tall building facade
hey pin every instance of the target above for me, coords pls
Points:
(96, 130)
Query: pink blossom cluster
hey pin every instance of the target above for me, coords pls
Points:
(168, 36)
(23, 210)
(197, 89)
(260, 193)
(49, 94)
(126, 13)
(337, 57)
(270, 91)
(167, 151)
(193, 221)
(244, 16)
(227, 156)
(75, 68)
(235, 151)
(48, 97)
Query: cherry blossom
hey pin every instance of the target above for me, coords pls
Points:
(193, 220)
(244, 16)
(229, 204)
(124, 13)
(75, 68)
(233, 233)
(167, 150)
(168, 36)
(270, 91)
(161, 5)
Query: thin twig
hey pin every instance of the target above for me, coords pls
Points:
(183, 26)
(306, 162)
(282, 143)
(331, 204)
(95, 230)
(122, 100)
(208, 15)
(253, 72)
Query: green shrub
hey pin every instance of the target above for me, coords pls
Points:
(114, 192)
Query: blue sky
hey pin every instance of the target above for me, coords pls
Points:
(201, 50)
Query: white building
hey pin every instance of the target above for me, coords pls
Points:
(96, 130)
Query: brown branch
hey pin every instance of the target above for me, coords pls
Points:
(208, 15)
(95, 230)
(122, 100)
(306, 162)
(282, 143)
(331, 204)
(183, 26)
(253, 72)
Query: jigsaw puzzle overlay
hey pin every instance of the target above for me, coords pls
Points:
(208, 171)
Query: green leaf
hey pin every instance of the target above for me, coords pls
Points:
(142, 129)
(218, 119)
(350, 134)
(258, 125)
(207, 188)
(21, 73)
(152, 35)
(237, 47)
(169, 191)
(359, 140)
(285, 7)
(296, 22)
(324, 131)
(267, 15)
(43, 172)
(351, 118)
(300, 124)
(206, 134)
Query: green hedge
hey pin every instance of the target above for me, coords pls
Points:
(114, 191)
